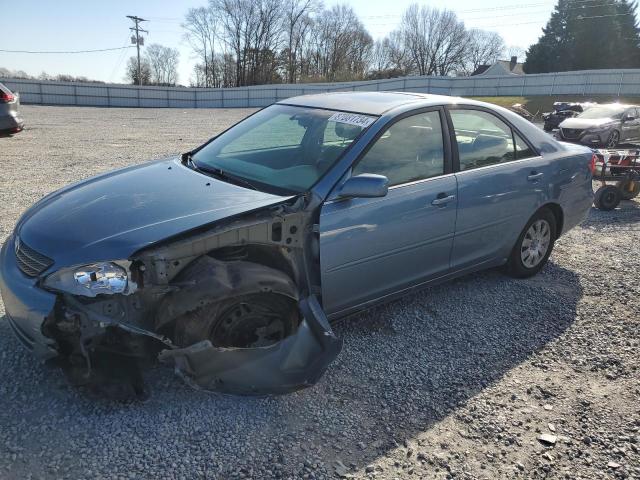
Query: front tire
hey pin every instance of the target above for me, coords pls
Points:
(534, 245)
(613, 139)
(247, 321)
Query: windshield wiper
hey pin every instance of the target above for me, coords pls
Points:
(216, 172)
(230, 177)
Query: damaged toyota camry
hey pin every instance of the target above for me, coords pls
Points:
(230, 262)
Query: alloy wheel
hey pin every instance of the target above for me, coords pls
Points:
(613, 139)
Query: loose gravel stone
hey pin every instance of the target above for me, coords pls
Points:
(458, 374)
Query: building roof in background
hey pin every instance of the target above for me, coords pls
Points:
(501, 67)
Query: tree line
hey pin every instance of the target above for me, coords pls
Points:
(20, 74)
(583, 35)
(251, 42)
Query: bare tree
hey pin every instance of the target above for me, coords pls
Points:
(163, 64)
(201, 30)
(235, 16)
(516, 51)
(435, 40)
(380, 58)
(389, 58)
(483, 48)
(271, 41)
(341, 46)
(297, 23)
(131, 74)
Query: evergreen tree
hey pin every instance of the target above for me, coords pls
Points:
(584, 35)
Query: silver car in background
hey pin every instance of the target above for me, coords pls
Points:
(10, 120)
(603, 126)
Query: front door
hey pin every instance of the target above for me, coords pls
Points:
(372, 247)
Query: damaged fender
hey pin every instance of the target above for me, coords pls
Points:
(295, 362)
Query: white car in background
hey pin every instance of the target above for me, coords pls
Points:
(10, 121)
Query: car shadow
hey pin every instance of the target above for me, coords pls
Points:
(436, 349)
(404, 367)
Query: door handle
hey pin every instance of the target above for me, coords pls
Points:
(535, 176)
(443, 199)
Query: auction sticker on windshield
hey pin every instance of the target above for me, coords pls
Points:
(352, 119)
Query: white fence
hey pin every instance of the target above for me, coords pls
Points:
(588, 82)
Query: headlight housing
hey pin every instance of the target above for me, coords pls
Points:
(600, 128)
(90, 280)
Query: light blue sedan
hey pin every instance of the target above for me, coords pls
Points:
(231, 260)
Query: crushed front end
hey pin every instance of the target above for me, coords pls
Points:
(104, 326)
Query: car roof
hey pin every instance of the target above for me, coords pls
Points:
(372, 103)
(378, 103)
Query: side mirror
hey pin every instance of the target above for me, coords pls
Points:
(365, 185)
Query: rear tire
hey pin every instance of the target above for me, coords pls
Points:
(534, 245)
(607, 198)
(629, 189)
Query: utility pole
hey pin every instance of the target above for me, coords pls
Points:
(137, 40)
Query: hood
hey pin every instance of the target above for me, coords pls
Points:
(111, 216)
(583, 123)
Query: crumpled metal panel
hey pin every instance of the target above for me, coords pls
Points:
(296, 362)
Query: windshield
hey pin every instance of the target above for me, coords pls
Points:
(283, 148)
(604, 111)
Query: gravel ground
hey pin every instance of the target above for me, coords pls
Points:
(459, 381)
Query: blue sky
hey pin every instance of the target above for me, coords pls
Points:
(88, 24)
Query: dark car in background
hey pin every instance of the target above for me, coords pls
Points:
(10, 121)
(603, 126)
(562, 111)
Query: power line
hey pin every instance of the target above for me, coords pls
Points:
(65, 52)
(501, 7)
(578, 18)
(119, 61)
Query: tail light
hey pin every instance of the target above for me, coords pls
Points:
(6, 97)
(592, 163)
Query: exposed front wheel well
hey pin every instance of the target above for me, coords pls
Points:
(269, 256)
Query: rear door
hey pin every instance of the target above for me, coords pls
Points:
(373, 247)
(500, 181)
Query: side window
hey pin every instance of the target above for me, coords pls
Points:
(409, 150)
(522, 149)
(483, 139)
